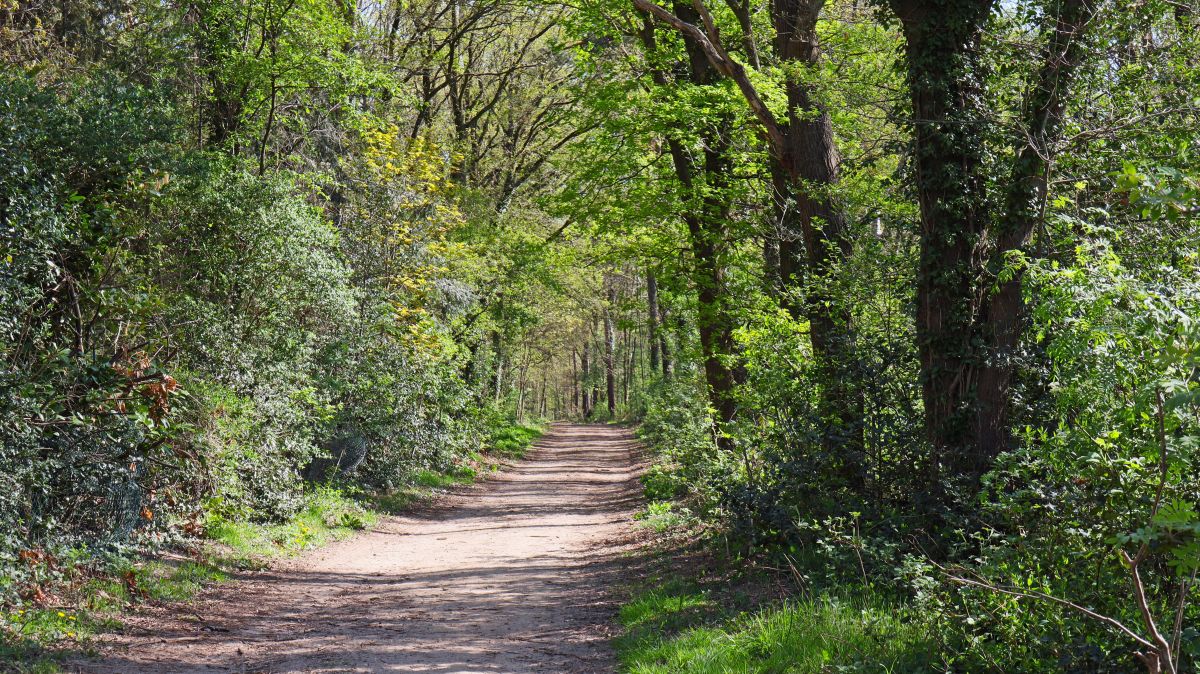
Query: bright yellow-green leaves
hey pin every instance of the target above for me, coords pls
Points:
(410, 207)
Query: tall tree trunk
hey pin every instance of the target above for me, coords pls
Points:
(969, 322)
(652, 322)
(588, 401)
(664, 344)
(815, 239)
(707, 226)
(945, 83)
(596, 349)
(610, 345)
(575, 378)
(1004, 316)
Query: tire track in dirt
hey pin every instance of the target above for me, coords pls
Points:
(510, 576)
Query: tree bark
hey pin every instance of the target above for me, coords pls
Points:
(708, 237)
(970, 315)
(1005, 318)
(814, 238)
(652, 322)
(575, 378)
(610, 345)
(588, 401)
(945, 84)
(664, 344)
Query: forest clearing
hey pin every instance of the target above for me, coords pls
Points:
(632, 336)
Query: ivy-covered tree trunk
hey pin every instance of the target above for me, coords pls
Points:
(945, 83)
(1004, 315)
(969, 296)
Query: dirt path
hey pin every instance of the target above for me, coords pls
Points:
(506, 577)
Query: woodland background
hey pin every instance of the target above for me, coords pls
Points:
(903, 293)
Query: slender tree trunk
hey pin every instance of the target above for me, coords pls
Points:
(575, 379)
(542, 397)
(588, 401)
(609, 348)
(707, 227)
(596, 349)
(652, 322)
(664, 344)
(522, 383)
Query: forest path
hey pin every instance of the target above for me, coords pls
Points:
(509, 576)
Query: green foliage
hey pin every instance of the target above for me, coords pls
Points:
(665, 516)
(259, 260)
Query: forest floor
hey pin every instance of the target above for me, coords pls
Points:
(510, 576)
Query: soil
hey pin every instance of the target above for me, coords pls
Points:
(513, 575)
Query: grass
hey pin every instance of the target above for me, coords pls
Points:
(509, 442)
(513, 441)
(681, 629)
(328, 516)
(664, 517)
(698, 624)
(426, 484)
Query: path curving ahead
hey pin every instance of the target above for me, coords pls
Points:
(507, 577)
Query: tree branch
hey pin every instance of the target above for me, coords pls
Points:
(722, 62)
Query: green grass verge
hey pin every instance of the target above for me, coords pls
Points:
(513, 441)
(329, 515)
(426, 484)
(678, 629)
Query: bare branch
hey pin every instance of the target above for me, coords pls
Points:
(1013, 592)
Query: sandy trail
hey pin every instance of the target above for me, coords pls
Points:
(509, 576)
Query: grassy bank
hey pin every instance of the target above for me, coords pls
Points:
(679, 627)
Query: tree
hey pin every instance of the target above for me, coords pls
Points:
(969, 312)
(804, 170)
